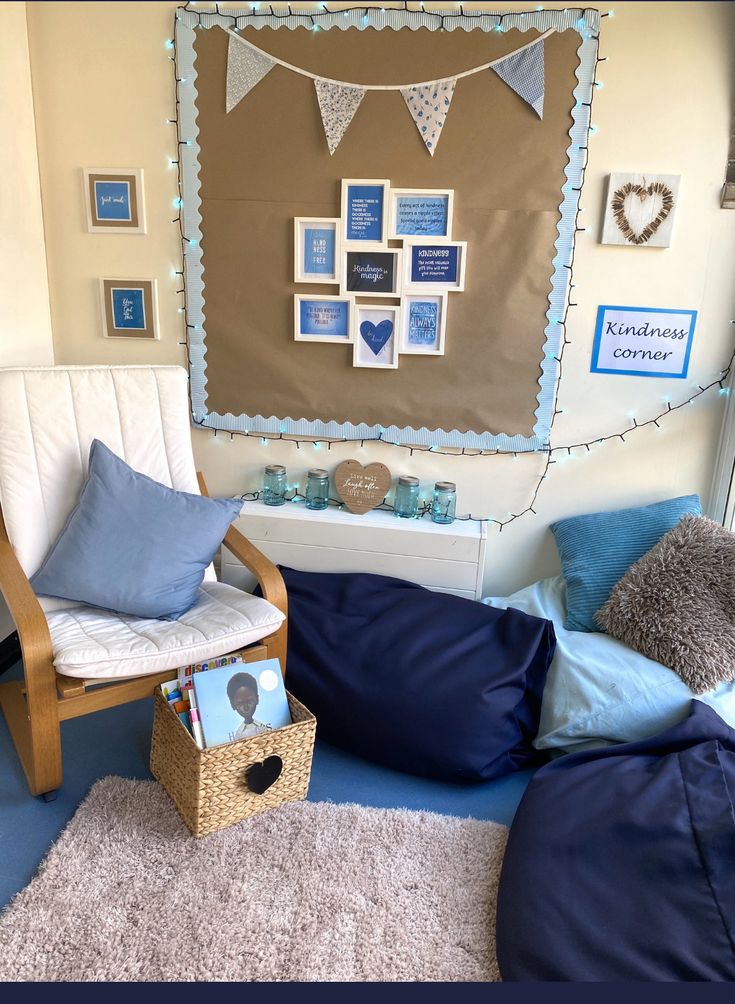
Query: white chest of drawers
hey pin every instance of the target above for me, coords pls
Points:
(448, 558)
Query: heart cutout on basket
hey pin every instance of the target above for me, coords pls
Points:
(376, 335)
(259, 777)
(630, 191)
(362, 488)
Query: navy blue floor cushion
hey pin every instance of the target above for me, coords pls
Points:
(419, 681)
(620, 863)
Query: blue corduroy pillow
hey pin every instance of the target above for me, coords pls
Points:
(597, 549)
(133, 545)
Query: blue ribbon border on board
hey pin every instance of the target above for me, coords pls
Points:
(586, 23)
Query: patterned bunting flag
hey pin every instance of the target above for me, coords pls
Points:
(246, 67)
(337, 105)
(524, 73)
(429, 106)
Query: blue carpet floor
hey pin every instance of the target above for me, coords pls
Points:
(118, 742)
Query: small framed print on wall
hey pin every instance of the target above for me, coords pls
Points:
(364, 211)
(371, 273)
(423, 323)
(129, 308)
(417, 212)
(114, 200)
(434, 265)
(375, 342)
(316, 250)
(322, 318)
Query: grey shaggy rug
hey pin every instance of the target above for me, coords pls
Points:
(676, 604)
(308, 891)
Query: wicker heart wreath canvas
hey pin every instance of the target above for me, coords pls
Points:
(355, 226)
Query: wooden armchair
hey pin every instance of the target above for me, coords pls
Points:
(49, 417)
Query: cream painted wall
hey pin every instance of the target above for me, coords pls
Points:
(103, 91)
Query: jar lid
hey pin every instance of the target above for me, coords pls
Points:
(445, 486)
(408, 479)
(319, 473)
(275, 469)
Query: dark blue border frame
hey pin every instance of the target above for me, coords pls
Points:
(594, 368)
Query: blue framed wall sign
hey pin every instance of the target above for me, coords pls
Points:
(643, 341)
(322, 318)
(423, 323)
(371, 273)
(316, 247)
(364, 207)
(114, 200)
(435, 265)
(129, 308)
(417, 213)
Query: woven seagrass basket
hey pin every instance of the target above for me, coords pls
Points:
(208, 787)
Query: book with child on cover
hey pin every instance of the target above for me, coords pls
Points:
(240, 701)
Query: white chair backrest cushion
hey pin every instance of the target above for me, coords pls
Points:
(48, 419)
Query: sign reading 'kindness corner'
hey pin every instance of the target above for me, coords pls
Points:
(643, 341)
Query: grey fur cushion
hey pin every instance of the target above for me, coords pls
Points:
(677, 604)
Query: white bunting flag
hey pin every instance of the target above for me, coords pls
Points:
(429, 107)
(246, 67)
(524, 72)
(337, 105)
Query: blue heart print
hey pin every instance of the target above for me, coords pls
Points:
(376, 335)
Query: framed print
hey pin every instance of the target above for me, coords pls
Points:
(434, 265)
(640, 208)
(423, 323)
(113, 198)
(375, 342)
(371, 273)
(129, 308)
(316, 249)
(364, 211)
(322, 318)
(643, 341)
(420, 212)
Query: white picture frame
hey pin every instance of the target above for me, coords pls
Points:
(423, 331)
(362, 224)
(114, 200)
(447, 267)
(309, 231)
(307, 320)
(129, 308)
(414, 213)
(371, 272)
(640, 209)
(364, 353)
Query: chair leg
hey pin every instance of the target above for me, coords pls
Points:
(31, 712)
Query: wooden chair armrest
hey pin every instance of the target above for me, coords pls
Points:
(22, 602)
(269, 578)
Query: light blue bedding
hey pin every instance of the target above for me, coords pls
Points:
(598, 690)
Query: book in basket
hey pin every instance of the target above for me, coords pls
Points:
(241, 701)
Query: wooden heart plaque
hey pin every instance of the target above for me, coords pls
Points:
(362, 488)
(658, 196)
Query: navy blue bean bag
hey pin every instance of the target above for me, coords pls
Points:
(423, 682)
(620, 864)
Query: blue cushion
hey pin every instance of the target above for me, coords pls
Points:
(598, 548)
(133, 545)
(424, 682)
(598, 690)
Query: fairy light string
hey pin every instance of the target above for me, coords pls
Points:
(548, 452)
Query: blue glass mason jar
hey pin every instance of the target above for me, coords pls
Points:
(406, 502)
(317, 489)
(444, 502)
(274, 485)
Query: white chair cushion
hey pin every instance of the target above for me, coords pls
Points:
(91, 643)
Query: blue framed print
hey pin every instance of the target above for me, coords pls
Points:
(643, 341)
(434, 265)
(316, 250)
(423, 323)
(129, 308)
(371, 273)
(322, 318)
(114, 200)
(418, 212)
(364, 210)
